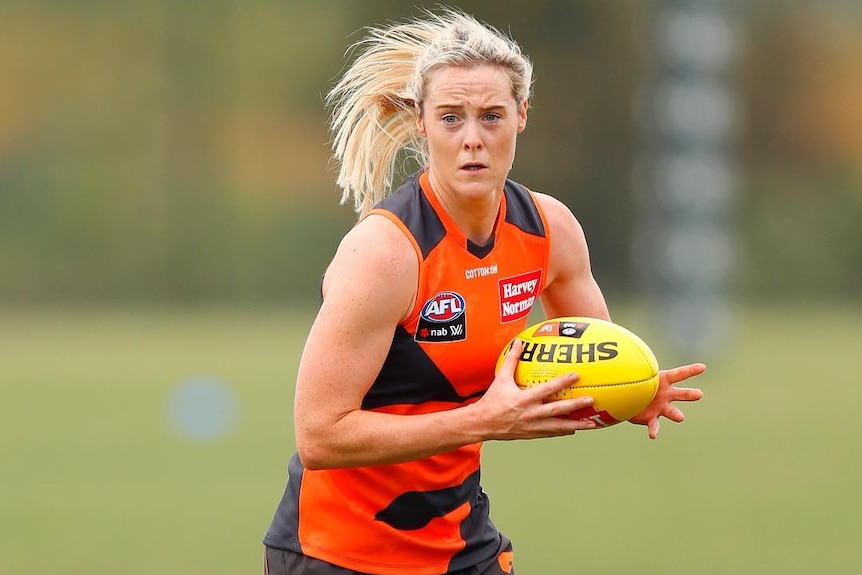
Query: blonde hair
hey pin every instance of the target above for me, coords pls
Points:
(375, 104)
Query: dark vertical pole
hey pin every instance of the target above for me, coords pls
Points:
(688, 179)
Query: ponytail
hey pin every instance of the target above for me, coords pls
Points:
(375, 105)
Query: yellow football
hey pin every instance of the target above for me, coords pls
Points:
(615, 367)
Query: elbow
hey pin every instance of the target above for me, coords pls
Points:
(311, 456)
(325, 441)
(315, 452)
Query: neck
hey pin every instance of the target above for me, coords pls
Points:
(476, 215)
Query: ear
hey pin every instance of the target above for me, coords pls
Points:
(522, 115)
(420, 121)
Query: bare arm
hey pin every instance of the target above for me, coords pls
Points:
(369, 288)
(572, 291)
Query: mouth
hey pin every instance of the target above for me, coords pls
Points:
(473, 166)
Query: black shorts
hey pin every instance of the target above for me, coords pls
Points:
(281, 562)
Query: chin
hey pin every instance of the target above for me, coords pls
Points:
(480, 186)
(472, 184)
(483, 175)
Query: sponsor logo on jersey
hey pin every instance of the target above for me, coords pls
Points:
(518, 294)
(443, 318)
(480, 272)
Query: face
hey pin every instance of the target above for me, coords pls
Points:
(471, 121)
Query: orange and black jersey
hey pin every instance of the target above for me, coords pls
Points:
(429, 516)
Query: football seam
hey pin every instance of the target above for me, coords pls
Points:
(622, 383)
(576, 386)
(647, 358)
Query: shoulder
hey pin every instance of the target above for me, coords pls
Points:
(522, 209)
(563, 226)
(562, 222)
(569, 254)
(375, 265)
(375, 245)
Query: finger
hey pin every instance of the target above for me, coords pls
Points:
(559, 415)
(512, 357)
(677, 374)
(555, 385)
(586, 423)
(557, 426)
(653, 428)
(686, 394)
(674, 414)
(564, 406)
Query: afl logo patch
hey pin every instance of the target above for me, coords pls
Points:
(443, 318)
(443, 307)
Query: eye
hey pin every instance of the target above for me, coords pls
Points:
(491, 117)
(450, 119)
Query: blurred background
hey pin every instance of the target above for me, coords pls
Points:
(167, 207)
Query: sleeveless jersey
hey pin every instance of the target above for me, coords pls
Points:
(429, 516)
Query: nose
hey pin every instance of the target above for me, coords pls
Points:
(472, 136)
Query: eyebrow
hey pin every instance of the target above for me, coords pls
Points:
(445, 106)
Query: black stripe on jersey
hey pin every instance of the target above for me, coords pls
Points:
(521, 210)
(480, 251)
(415, 509)
(478, 535)
(411, 206)
(282, 533)
(409, 377)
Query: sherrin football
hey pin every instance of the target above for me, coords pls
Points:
(615, 367)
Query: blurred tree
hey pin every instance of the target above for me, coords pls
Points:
(179, 151)
(804, 149)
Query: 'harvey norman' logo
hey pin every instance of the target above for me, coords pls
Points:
(518, 294)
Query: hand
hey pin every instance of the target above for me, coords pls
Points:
(661, 403)
(514, 413)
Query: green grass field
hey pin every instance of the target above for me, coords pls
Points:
(764, 477)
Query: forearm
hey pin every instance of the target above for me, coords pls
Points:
(362, 438)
